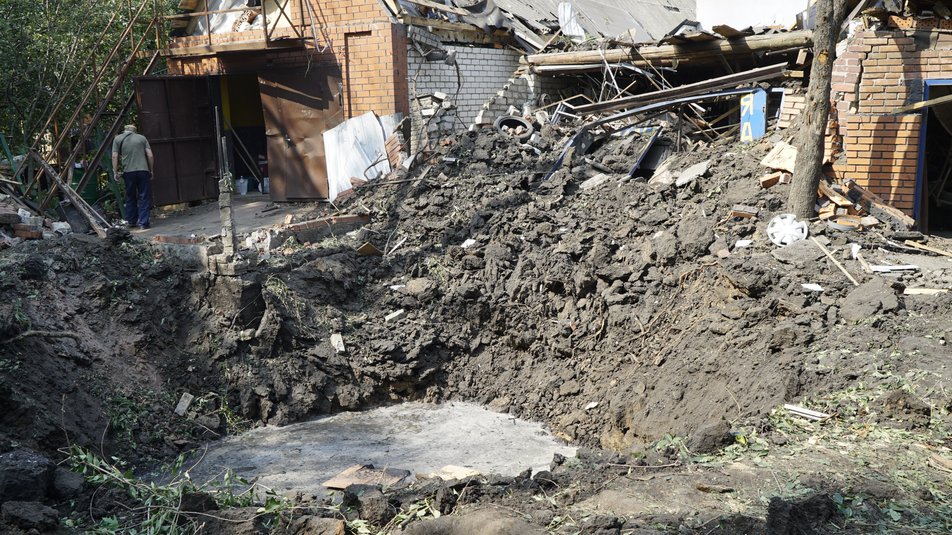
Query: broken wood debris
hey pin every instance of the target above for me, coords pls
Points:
(925, 291)
(743, 211)
(366, 474)
(928, 248)
(834, 260)
(772, 179)
(645, 56)
(98, 223)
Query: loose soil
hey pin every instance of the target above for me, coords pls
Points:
(624, 316)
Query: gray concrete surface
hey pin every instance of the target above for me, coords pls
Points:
(418, 437)
(205, 220)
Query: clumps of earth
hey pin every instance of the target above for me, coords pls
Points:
(618, 311)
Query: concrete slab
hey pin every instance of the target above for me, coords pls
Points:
(419, 437)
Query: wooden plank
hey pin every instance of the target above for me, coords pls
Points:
(366, 475)
(743, 211)
(924, 291)
(924, 104)
(241, 46)
(834, 260)
(729, 32)
(96, 221)
(834, 196)
(771, 180)
(924, 247)
(876, 205)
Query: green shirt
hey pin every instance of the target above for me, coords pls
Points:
(132, 156)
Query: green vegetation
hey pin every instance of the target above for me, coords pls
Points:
(156, 508)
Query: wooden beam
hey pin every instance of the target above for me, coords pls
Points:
(440, 7)
(924, 247)
(242, 46)
(925, 104)
(689, 51)
(96, 221)
(724, 82)
(440, 24)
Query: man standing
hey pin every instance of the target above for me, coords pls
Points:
(137, 164)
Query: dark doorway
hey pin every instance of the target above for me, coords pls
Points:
(244, 121)
(935, 194)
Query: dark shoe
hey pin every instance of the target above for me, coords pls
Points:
(145, 227)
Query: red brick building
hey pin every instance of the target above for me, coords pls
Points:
(899, 153)
(301, 68)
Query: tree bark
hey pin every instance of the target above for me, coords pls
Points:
(811, 138)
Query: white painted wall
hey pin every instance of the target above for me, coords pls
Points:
(743, 13)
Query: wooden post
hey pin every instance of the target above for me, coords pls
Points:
(811, 138)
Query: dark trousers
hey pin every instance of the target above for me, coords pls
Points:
(138, 197)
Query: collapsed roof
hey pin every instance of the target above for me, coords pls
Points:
(639, 21)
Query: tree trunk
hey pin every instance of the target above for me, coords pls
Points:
(812, 135)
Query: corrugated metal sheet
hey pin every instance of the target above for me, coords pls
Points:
(299, 106)
(646, 20)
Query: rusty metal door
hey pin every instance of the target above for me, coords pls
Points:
(177, 117)
(299, 105)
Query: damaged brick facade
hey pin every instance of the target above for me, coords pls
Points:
(880, 72)
(358, 35)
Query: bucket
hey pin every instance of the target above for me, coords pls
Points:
(263, 186)
(241, 184)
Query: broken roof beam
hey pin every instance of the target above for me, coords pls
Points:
(724, 82)
(654, 55)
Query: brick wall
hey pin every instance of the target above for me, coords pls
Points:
(484, 72)
(880, 72)
(358, 36)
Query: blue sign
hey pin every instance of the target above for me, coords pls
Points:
(753, 116)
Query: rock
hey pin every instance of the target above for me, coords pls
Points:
(801, 254)
(67, 484)
(500, 404)
(867, 299)
(907, 410)
(710, 438)
(371, 503)
(655, 216)
(602, 525)
(25, 475)
(695, 234)
(421, 288)
(312, 525)
(692, 173)
(483, 522)
(661, 249)
(198, 502)
(794, 518)
(30, 515)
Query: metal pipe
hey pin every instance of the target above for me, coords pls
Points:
(69, 124)
(64, 95)
(112, 132)
(117, 84)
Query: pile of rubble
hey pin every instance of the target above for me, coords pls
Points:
(17, 225)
